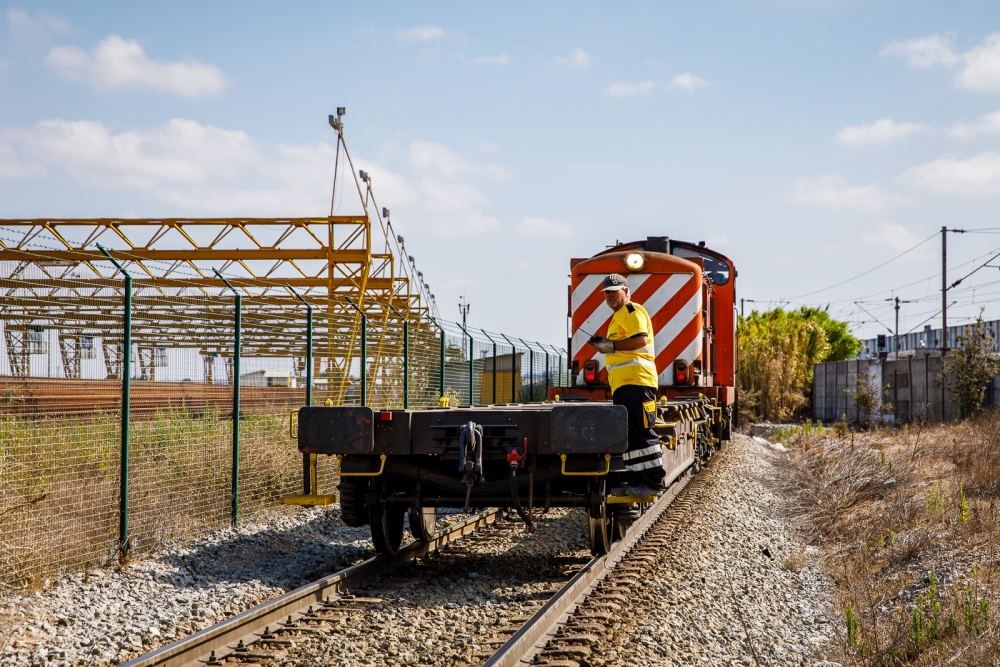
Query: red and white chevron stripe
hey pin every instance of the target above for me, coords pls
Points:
(674, 304)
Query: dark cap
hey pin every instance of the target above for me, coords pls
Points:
(615, 283)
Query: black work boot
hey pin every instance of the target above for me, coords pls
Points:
(634, 479)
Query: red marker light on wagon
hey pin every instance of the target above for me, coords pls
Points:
(590, 372)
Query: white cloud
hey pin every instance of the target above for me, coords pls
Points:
(421, 33)
(889, 236)
(924, 52)
(622, 89)
(978, 175)
(578, 59)
(834, 191)
(196, 167)
(878, 132)
(121, 63)
(442, 162)
(539, 228)
(982, 66)
(208, 170)
(39, 29)
(988, 124)
(687, 81)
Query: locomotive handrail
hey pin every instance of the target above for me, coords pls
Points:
(595, 473)
(339, 473)
(292, 433)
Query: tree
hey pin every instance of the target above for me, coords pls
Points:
(777, 352)
(975, 365)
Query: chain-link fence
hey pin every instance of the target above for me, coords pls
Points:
(117, 402)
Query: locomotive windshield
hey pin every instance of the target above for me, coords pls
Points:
(716, 270)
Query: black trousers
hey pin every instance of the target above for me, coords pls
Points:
(643, 456)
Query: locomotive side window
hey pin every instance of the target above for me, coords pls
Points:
(716, 270)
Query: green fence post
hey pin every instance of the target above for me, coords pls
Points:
(531, 371)
(513, 353)
(546, 353)
(307, 458)
(123, 536)
(440, 379)
(406, 358)
(493, 398)
(237, 336)
(364, 352)
(472, 354)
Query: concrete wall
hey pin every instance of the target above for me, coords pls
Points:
(912, 389)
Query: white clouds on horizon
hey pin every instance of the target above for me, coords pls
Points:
(834, 191)
(893, 237)
(879, 132)
(28, 30)
(578, 59)
(975, 176)
(120, 63)
(980, 65)
(986, 124)
(687, 81)
(923, 52)
(210, 170)
(421, 33)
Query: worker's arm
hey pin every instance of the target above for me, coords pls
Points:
(634, 343)
(606, 346)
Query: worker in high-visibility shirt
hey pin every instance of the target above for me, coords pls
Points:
(629, 358)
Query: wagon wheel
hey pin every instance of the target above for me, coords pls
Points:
(423, 523)
(387, 527)
(601, 525)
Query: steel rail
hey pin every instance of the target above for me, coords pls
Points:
(532, 637)
(222, 638)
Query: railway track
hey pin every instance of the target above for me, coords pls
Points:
(559, 632)
(256, 633)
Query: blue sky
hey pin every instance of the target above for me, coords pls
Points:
(809, 141)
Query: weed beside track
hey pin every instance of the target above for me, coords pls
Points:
(906, 519)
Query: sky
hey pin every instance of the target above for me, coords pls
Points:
(811, 141)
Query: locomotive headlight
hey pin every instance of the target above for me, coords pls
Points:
(635, 261)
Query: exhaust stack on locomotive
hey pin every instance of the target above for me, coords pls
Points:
(399, 465)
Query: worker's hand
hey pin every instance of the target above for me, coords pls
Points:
(602, 344)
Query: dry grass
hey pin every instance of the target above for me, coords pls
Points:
(906, 520)
(59, 484)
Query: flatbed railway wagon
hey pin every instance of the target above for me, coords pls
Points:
(399, 466)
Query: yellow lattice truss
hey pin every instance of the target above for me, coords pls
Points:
(53, 271)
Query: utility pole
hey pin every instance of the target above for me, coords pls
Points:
(895, 338)
(944, 316)
(944, 298)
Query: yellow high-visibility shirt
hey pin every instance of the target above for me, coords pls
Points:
(635, 366)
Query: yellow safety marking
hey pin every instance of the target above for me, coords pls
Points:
(309, 500)
(607, 468)
(340, 458)
(631, 500)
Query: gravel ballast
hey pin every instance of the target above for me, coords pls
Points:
(735, 586)
(104, 617)
(713, 598)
